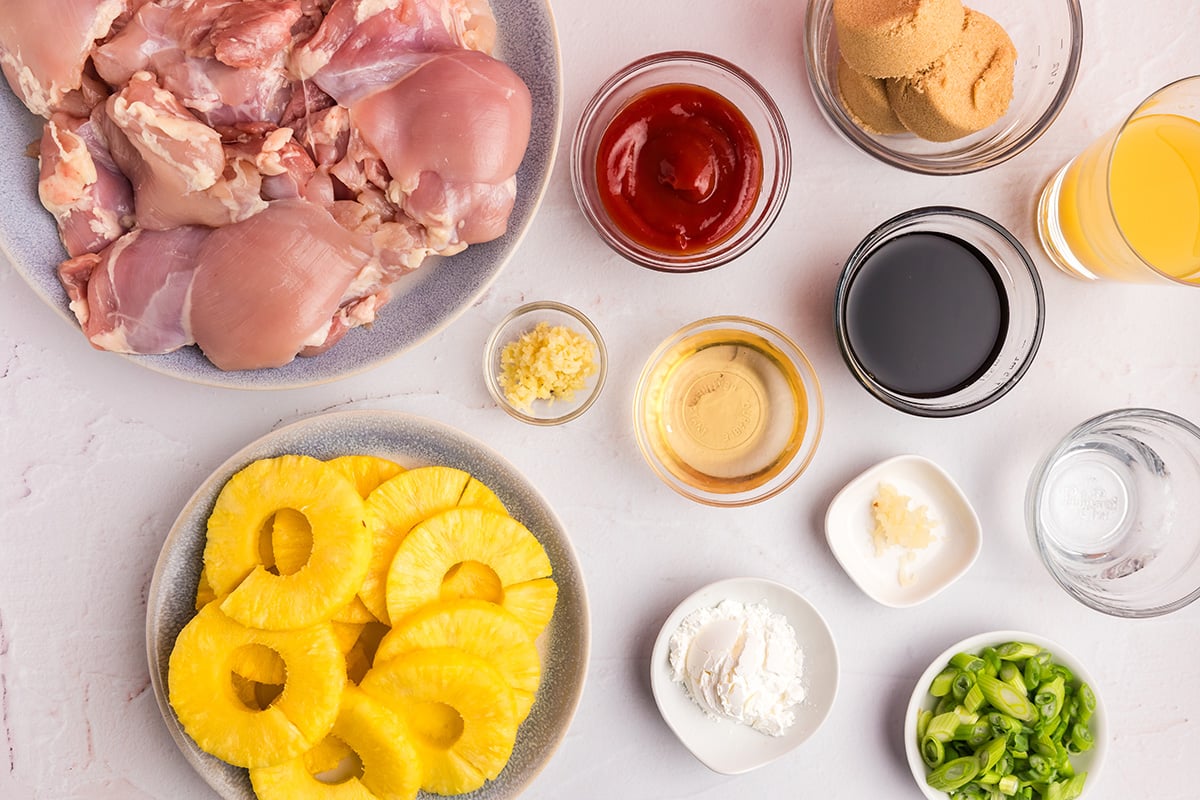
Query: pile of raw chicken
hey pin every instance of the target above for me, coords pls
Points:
(253, 176)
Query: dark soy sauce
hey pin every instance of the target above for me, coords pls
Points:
(926, 314)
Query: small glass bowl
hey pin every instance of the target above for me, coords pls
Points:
(1048, 37)
(728, 411)
(553, 411)
(717, 75)
(1018, 279)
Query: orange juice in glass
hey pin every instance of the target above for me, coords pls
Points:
(1128, 207)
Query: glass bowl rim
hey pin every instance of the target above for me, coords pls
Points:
(873, 240)
(799, 462)
(491, 375)
(1037, 482)
(822, 90)
(753, 229)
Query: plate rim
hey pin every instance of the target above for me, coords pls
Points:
(344, 419)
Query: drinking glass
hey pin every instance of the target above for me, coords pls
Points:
(1114, 512)
(1128, 207)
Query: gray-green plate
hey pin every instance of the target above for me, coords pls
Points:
(410, 441)
(423, 302)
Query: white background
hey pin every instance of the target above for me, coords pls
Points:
(97, 456)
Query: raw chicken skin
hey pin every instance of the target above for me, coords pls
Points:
(270, 286)
(132, 297)
(43, 68)
(363, 46)
(177, 164)
(81, 186)
(452, 134)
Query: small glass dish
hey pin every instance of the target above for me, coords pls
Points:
(892, 578)
(689, 69)
(728, 411)
(1048, 37)
(1089, 761)
(522, 320)
(904, 349)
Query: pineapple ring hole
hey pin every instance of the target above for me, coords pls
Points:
(348, 767)
(258, 662)
(438, 724)
(472, 580)
(285, 541)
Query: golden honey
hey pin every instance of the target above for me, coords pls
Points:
(725, 410)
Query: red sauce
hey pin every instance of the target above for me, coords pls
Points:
(679, 169)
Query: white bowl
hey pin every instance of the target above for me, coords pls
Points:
(957, 535)
(1089, 762)
(725, 746)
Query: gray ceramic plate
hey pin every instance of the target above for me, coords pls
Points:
(423, 302)
(410, 441)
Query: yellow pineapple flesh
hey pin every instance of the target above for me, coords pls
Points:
(374, 735)
(402, 502)
(340, 552)
(291, 541)
(434, 548)
(366, 472)
(459, 710)
(476, 627)
(532, 602)
(201, 689)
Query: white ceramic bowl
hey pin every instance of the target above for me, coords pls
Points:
(725, 746)
(1089, 761)
(957, 535)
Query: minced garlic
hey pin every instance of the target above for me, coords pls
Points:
(546, 363)
(897, 524)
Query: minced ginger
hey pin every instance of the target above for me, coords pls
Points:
(546, 363)
(897, 524)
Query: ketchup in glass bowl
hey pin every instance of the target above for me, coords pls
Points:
(681, 162)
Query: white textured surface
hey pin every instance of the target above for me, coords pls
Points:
(97, 456)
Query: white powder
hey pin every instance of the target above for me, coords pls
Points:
(740, 662)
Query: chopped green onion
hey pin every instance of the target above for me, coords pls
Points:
(974, 699)
(1081, 738)
(953, 774)
(991, 660)
(933, 753)
(1008, 785)
(1049, 698)
(1007, 699)
(943, 726)
(1013, 677)
(1017, 651)
(1087, 703)
(943, 681)
(963, 682)
(990, 754)
(923, 717)
(1033, 672)
(966, 661)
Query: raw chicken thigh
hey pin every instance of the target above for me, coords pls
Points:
(254, 176)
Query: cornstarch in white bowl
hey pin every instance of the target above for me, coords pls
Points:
(740, 661)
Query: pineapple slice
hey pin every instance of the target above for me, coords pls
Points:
(355, 611)
(361, 655)
(204, 590)
(479, 628)
(532, 602)
(329, 754)
(258, 664)
(341, 543)
(459, 710)
(202, 692)
(432, 550)
(366, 472)
(291, 541)
(401, 503)
(390, 767)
